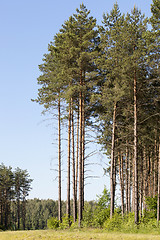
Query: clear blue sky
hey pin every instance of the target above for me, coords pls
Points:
(26, 136)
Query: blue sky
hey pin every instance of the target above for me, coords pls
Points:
(27, 139)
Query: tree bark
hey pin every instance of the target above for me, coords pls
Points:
(121, 179)
(158, 197)
(77, 154)
(126, 178)
(112, 187)
(80, 152)
(129, 182)
(155, 169)
(24, 213)
(59, 162)
(68, 168)
(83, 150)
(141, 183)
(133, 183)
(73, 164)
(145, 182)
(18, 214)
(136, 207)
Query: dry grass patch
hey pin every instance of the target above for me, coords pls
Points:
(73, 235)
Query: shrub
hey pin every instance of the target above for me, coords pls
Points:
(128, 225)
(74, 225)
(113, 224)
(151, 212)
(53, 223)
(100, 216)
(87, 215)
(66, 222)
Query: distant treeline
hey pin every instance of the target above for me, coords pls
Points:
(39, 211)
(19, 213)
(14, 188)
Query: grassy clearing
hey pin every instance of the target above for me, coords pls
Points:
(74, 234)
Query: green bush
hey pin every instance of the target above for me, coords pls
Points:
(66, 222)
(114, 224)
(100, 216)
(151, 212)
(128, 225)
(87, 215)
(74, 225)
(53, 223)
(104, 200)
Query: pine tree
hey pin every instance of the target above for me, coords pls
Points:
(79, 51)
(6, 195)
(50, 95)
(22, 188)
(135, 63)
(112, 92)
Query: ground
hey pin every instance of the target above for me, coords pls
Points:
(73, 235)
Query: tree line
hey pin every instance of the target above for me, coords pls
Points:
(107, 78)
(39, 211)
(14, 188)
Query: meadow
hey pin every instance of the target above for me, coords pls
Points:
(74, 234)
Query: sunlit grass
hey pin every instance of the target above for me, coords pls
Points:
(74, 234)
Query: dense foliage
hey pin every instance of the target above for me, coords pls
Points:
(39, 211)
(96, 214)
(14, 188)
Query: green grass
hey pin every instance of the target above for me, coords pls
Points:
(74, 234)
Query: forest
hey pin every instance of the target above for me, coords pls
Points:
(14, 189)
(106, 78)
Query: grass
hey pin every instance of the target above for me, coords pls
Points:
(74, 234)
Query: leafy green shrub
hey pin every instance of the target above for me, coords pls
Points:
(74, 225)
(151, 202)
(114, 224)
(151, 212)
(128, 225)
(100, 216)
(104, 200)
(66, 222)
(53, 223)
(96, 215)
(87, 216)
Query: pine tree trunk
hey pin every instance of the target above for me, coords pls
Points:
(112, 188)
(83, 150)
(18, 214)
(129, 182)
(149, 175)
(80, 151)
(126, 178)
(77, 154)
(155, 169)
(141, 183)
(114, 178)
(133, 184)
(2, 214)
(152, 175)
(59, 162)
(73, 164)
(121, 179)
(68, 170)
(24, 213)
(145, 173)
(136, 207)
(158, 197)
